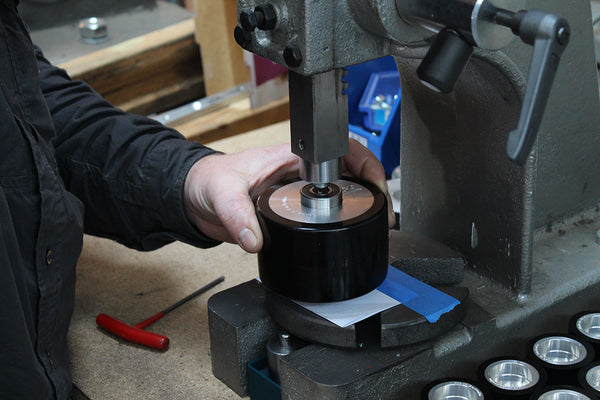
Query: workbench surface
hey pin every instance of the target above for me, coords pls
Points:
(131, 286)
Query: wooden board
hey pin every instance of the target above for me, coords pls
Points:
(147, 74)
(222, 57)
(162, 70)
(233, 119)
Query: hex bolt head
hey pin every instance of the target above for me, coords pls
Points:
(268, 17)
(93, 30)
(249, 20)
(292, 56)
(242, 36)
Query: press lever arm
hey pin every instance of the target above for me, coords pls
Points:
(549, 34)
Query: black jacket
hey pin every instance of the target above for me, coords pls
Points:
(62, 148)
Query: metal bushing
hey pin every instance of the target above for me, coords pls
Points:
(561, 356)
(563, 393)
(451, 389)
(585, 326)
(589, 378)
(511, 377)
(323, 254)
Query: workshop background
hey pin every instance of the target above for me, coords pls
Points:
(177, 62)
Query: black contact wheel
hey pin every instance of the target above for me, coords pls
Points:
(323, 244)
(561, 356)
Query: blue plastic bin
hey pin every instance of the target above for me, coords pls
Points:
(377, 128)
(260, 385)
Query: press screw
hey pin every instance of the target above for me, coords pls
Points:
(242, 37)
(292, 56)
(301, 144)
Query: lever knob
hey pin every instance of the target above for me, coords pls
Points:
(445, 61)
(549, 34)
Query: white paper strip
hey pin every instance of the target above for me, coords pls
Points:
(347, 312)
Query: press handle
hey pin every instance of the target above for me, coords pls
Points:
(549, 34)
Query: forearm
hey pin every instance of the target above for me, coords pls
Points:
(128, 170)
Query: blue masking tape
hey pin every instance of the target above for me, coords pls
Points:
(416, 295)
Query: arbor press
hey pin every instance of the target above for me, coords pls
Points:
(525, 223)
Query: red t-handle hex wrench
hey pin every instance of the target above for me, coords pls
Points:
(137, 334)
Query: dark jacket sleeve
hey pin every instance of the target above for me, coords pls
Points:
(128, 170)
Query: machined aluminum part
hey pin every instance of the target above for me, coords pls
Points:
(589, 325)
(455, 390)
(512, 375)
(592, 377)
(563, 394)
(286, 201)
(559, 350)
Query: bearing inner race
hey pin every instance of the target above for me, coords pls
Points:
(328, 197)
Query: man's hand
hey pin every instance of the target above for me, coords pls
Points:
(220, 189)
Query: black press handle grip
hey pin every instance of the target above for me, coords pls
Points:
(549, 34)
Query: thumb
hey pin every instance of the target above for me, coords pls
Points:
(236, 212)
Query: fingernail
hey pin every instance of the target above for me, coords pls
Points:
(382, 185)
(247, 240)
